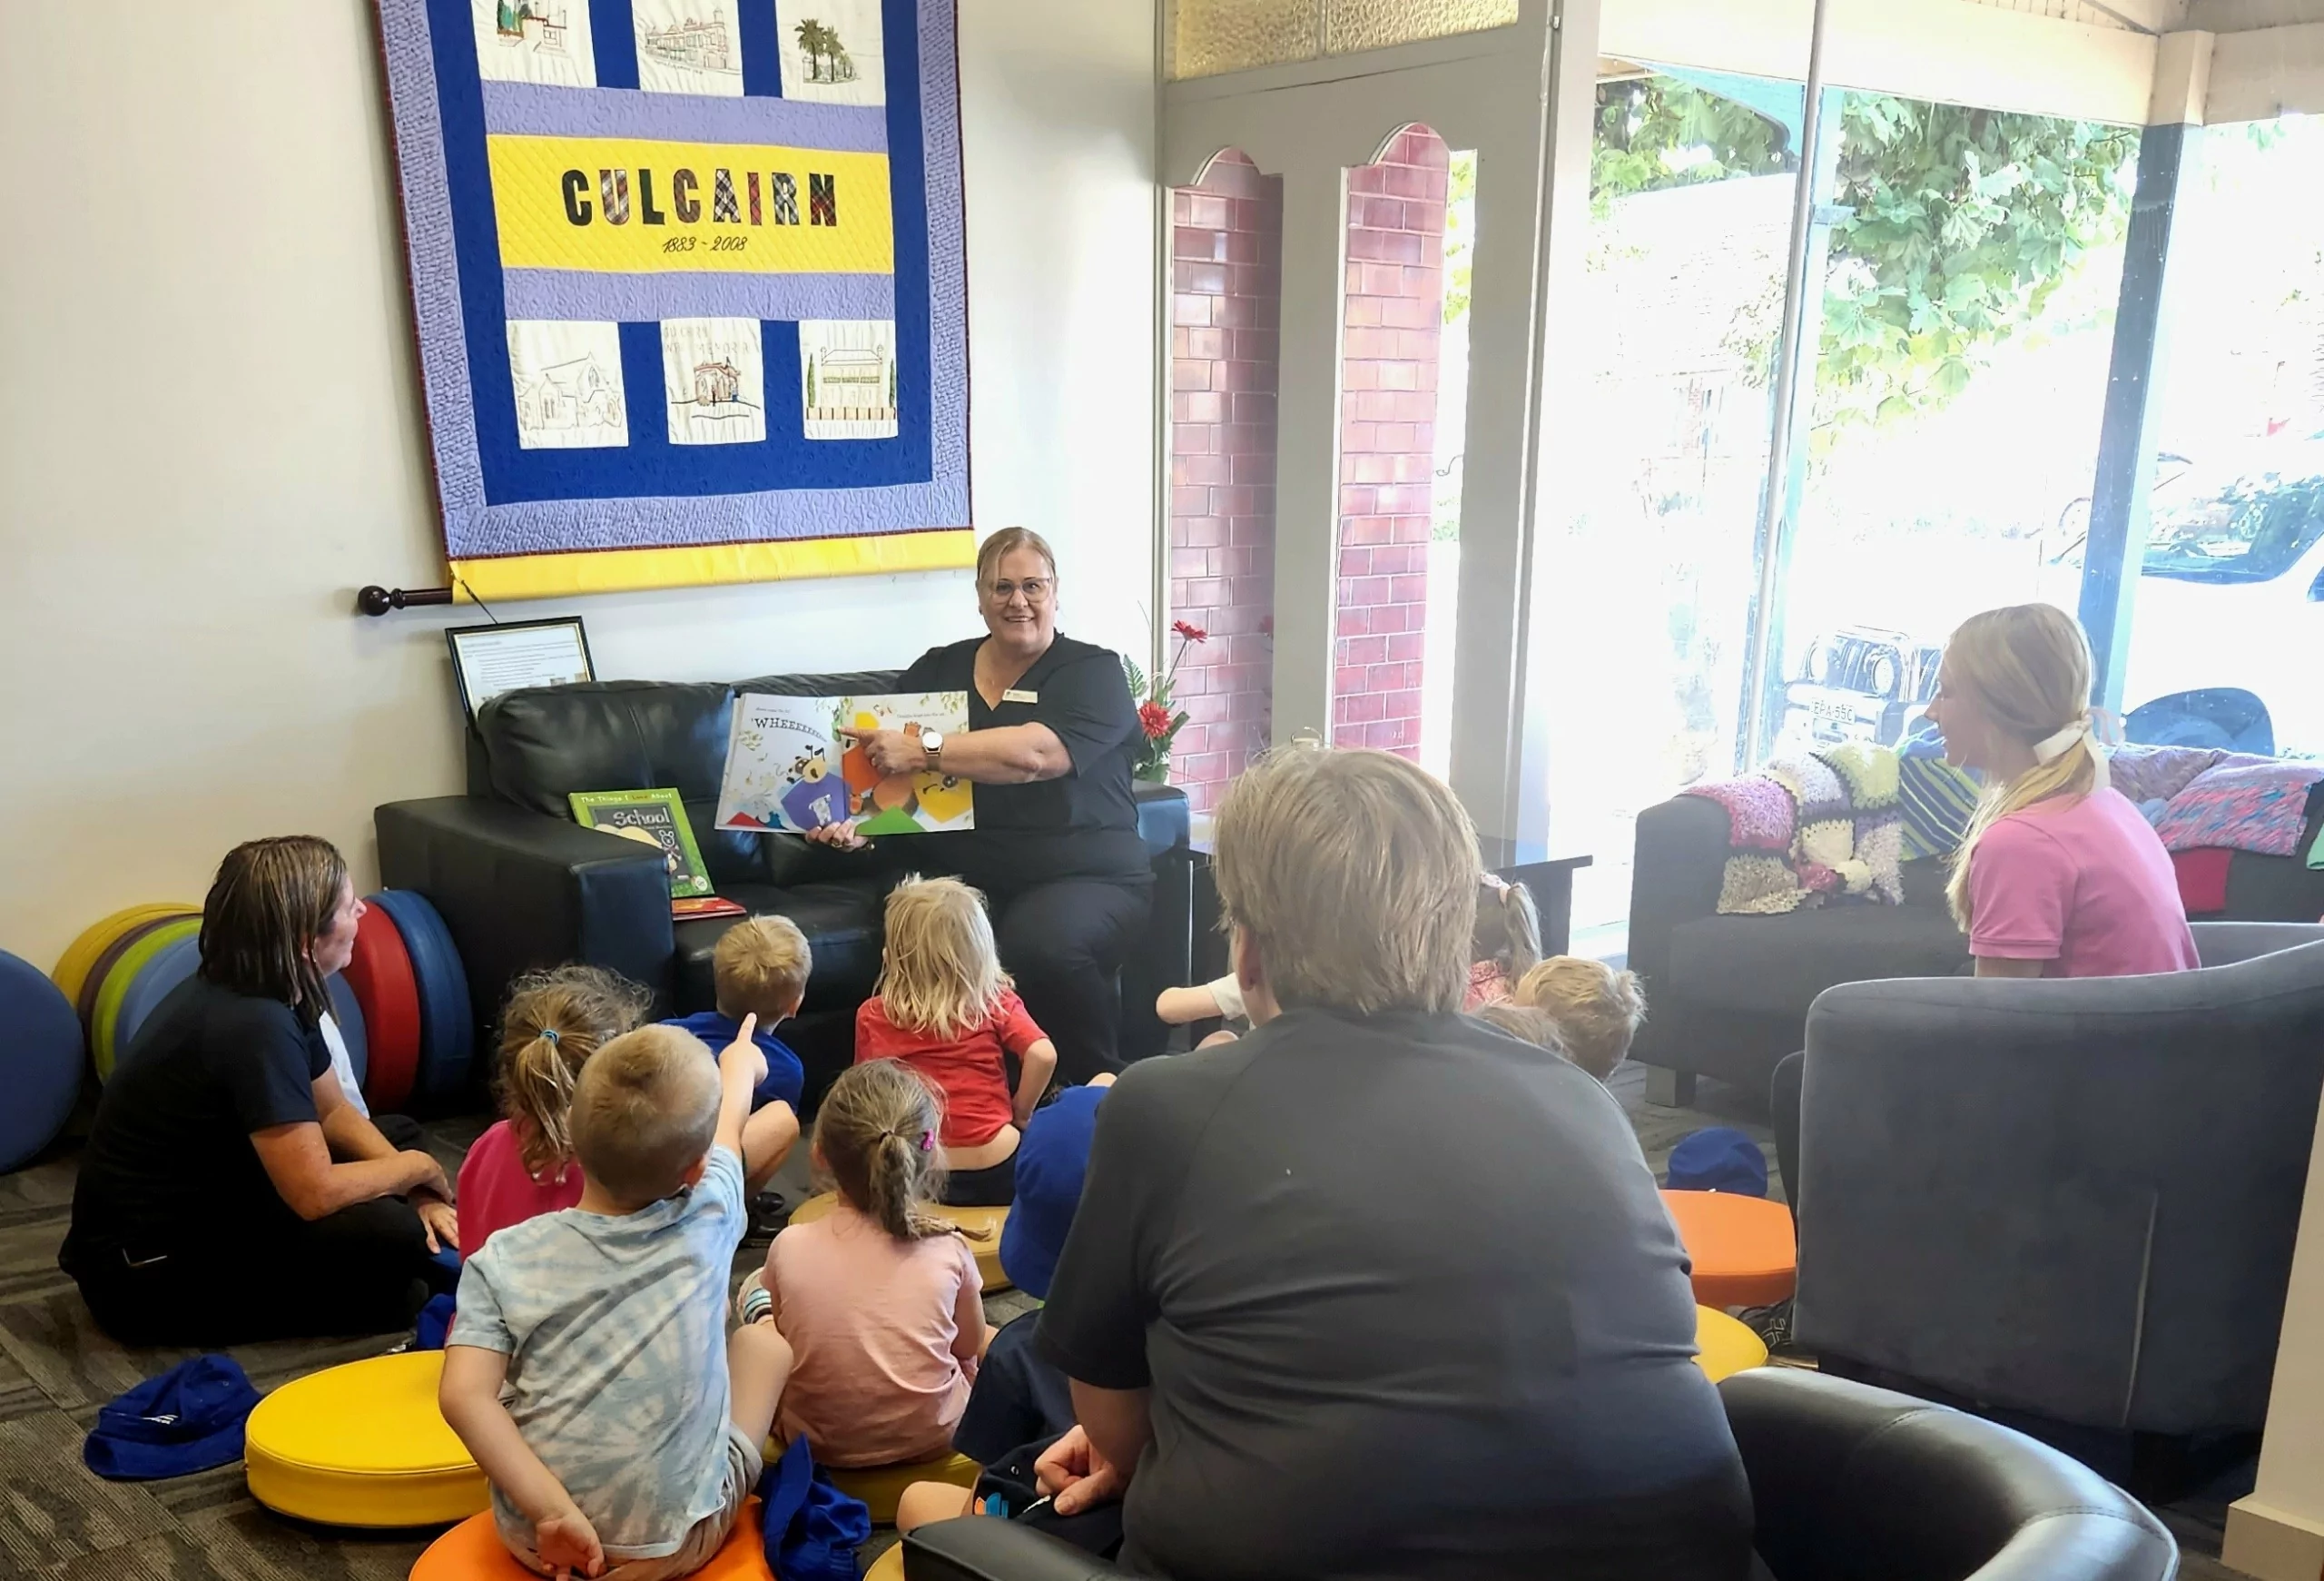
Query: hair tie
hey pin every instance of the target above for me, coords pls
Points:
(2082, 732)
(549, 1032)
(927, 1141)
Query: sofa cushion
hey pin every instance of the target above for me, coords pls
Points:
(1778, 964)
(843, 923)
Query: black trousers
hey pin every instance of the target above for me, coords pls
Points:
(1063, 943)
(993, 1187)
(364, 1269)
(1783, 1109)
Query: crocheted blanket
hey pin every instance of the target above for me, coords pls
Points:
(2251, 807)
(1804, 829)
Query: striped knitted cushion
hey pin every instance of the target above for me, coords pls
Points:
(1938, 799)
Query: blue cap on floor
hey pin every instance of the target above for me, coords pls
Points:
(1051, 1162)
(1720, 1158)
(188, 1419)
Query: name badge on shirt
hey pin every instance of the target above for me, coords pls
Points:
(1015, 695)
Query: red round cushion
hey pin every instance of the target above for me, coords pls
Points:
(380, 974)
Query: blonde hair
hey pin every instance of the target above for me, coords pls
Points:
(940, 972)
(2027, 668)
(1523, 1021)
(760, 967)
(1007, 541)
(876, 1133)
(644, 1112)
(269, 903)
(1508, 932)
(1354, 874)
(1597, 1009)
(552, 1023)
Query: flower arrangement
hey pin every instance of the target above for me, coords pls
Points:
(1158, 723)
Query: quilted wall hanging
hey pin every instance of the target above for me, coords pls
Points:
(689, 285)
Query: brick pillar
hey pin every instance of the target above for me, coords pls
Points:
(1226, 251)
(1395, 315)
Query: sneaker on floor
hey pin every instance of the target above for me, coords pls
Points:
(1772, 1324)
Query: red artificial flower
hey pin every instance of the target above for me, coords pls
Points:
(1154, 719)
(1191, 632)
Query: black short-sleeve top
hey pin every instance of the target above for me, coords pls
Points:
(1487, 1371)
(170, 1157)
(1083, 824)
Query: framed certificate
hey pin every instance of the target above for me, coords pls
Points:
(487, 660)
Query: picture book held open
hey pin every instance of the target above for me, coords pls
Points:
(791, 765)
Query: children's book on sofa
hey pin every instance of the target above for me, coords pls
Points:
(792, 764)
(651, 817)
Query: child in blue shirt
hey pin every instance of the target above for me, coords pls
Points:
(760, 968)
(589, 1371)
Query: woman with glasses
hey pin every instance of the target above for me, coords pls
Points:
(1051, 739)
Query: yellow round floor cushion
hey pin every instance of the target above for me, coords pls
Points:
(982, 1226)
(1724, 1346)
(363, 1444)
(881, 1487)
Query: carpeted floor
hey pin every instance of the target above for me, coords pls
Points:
(59, 1522)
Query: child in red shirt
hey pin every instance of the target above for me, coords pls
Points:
(523, 1166)
(944, 1007)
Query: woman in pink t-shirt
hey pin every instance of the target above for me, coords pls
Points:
(2059, 875)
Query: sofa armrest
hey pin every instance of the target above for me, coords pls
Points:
(980, 1548)
(521, 891)
(2225, 943)
(1680, 860)
(2074, 1197)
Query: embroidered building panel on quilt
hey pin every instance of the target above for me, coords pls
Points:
(689, 284)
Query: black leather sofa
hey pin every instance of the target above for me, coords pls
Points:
(1727, 996)
(522, 886)
(1848, 1483)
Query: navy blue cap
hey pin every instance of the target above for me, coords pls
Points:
(1718, 1158)
(1051, 1162)
(188, 1419)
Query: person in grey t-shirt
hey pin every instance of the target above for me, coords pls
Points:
(585, 1370)
(1289, 1362)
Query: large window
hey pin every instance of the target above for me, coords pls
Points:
(1966, 264)
(2229, 614)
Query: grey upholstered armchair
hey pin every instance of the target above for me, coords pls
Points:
(2074, 1199)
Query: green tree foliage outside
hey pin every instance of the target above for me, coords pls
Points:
(1958, 225)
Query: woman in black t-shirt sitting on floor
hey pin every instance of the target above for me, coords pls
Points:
(230, 1192)
(1051, 739)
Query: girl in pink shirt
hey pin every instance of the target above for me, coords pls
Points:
(2059, 875)
(880, 1302)
(522, 1164)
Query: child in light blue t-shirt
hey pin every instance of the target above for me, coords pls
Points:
(631, 1430)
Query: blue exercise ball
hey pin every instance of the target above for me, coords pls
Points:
(40, 1059)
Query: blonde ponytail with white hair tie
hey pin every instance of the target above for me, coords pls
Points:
(2025, 667)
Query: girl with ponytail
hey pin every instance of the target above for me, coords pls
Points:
(1504, 944)
(2059, 875)
(522, 1164)
(880, 1299)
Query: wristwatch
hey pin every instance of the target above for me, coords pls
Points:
(932, 743)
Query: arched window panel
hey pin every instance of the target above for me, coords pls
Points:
(1226, 301)
(1404, 383)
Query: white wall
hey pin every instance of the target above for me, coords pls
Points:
(210, 433)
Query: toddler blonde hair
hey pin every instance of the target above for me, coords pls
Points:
(551, 1023)
(940, 972)
(2027, 667)
(644, 1112)
(1596, 1008)
(876, 1133)
(1537, 1027)
(760, 968)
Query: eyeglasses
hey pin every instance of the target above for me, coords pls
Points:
(1037, 590)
